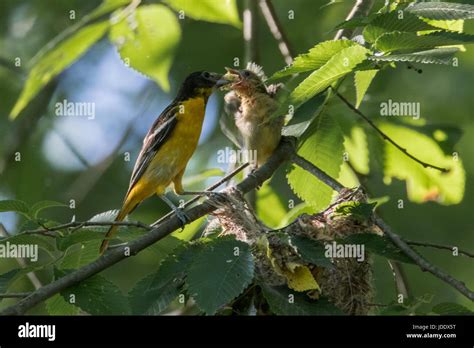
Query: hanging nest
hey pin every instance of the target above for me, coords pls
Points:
(348, 283)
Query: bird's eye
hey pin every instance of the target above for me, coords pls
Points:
(206, 75)
(246, 73)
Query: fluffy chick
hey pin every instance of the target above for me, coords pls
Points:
(253, 105)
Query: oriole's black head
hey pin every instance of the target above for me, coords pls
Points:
(200, 83)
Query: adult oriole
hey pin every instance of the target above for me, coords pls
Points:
(168, 146)
(253, 103)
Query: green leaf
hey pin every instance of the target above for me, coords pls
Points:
(153, 294)
(441, 10)
(357, 149)
(7, 278)
(449, 25)
(298, 210)
(270, 209)
(378, 245)
(14, 205)
(423, 184)
(357, 210)
(448, 308)
(311, 250)
(216, 11)
(96, 295)
(104, 8)
(315, 58)
(189, 230)
(305, 115)
(56, 60)
(434, 56)
(80, 236)
(362, 81)
(396, 40)
(394, 21)
(57, 305)
(220, 272)
(322, 144)
(341, 64)
(283, 301)
(354, 23)
(39, 206)
(147, 41)
(80, 255)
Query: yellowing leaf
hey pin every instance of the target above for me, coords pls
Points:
(300, 278)
(362, 81)
(147, 41)
(357, 149)
(270, 209)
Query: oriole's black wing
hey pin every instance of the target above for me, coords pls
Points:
(155, 138)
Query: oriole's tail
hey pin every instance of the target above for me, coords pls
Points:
(128, 206)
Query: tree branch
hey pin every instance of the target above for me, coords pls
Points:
(281, 155)
(439, 246)
(80, 224)
(210, 188)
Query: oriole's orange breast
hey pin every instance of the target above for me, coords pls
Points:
(174, 154)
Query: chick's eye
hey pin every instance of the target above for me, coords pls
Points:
(206, 75)
(247, 73)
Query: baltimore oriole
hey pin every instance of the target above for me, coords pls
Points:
(168, 146)
(253, 103)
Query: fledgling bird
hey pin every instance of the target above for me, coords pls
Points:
(168, 146)
(253, 105)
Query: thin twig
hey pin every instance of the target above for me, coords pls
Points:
(320, 174)
(439, 246)
(81, 224)
(210, 188)
(421, 262)
(386, 137)
(15, 295)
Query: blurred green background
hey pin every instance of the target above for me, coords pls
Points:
(64, 158)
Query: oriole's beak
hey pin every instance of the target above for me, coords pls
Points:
(222, 82)
(218, 79)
